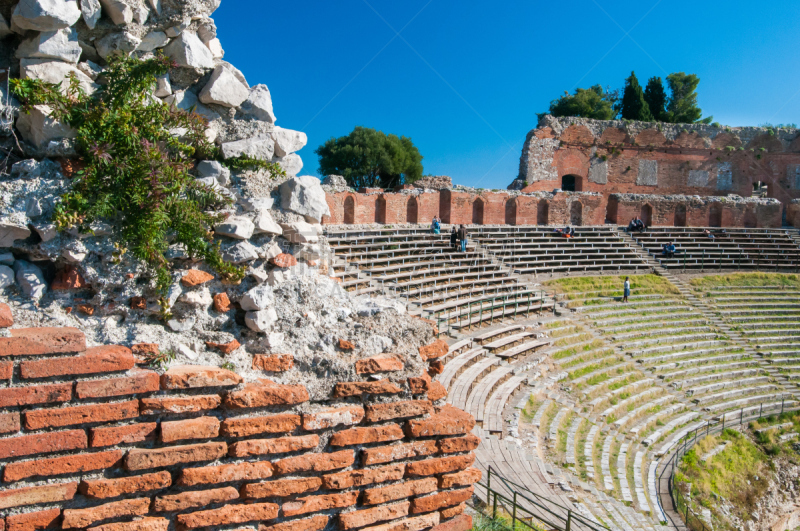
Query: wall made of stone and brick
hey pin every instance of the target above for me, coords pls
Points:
(92, 439)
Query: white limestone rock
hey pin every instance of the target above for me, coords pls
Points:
(61, 45)
(288, 141)
(265, 224)
(215, 46)
(240, 253)
(238, 227)
(182, 326)
(28, 169)
(227, 87)
(90, 9)
(301, 232)
(117, 44)
(188, 50)
(259, 104)
(261, 321)
(255, 204)
(187, 351)
(336, 181)
(291, 163)
(258, 273)
(46, 231)
(174, 31)
(309, 251)
(212, 183)
(276, 277)
(124, 11)
(212, 168)
(163, 87)
(91, 69)
(6, 276)
(38, 128)
(186, 100)
(153, 41)
(305, 196)
(259, 147)
(269, 252)
(258, 298)
(45, 15)
(201, 298)
(71, 255)
(156, 5)
(31, 279)
(56, 72)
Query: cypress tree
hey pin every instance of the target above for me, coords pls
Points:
(656, 98)
(634, 106)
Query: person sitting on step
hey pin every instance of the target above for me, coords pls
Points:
(669, 250)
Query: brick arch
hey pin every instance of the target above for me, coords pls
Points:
(577, 134)
(478, 211)
(576, 214)
(511, 211)
(615, 135)
(651, 136)
(380, 209)
(412, 210)
(349, 210)
(691, 140)
(723, 140)
(571, 162)
(770, 143)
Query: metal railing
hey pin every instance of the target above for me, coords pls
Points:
(530, 509)
(493, 308)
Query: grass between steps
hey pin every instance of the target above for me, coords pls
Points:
(745, 280)
(611, 286)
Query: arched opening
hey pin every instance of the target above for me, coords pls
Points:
(576, 214)
(572, 183)
(543, 212)
(477, 212)
(715, 215)
(412, 210)
(646, 215)
(349, 210)
(680, 215)
(750, 219)
(511, 212)
(380, 210)
(760, 189)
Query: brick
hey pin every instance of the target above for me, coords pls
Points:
(132, 433)
(209, 475)
(34, 495)
(32, 521)
(283, 260)
(278, 445)
(447, 421)
(194, 376)
(453, 511)
(389, 432)
(359, 478)
(145, 524)
(141, 459)
(439, 465)
(380, 363)
(68, 278)
(407, 489)
(439, 500)
(437, 349)
(140, 382)
(346, 345)
(9, 422)
(222, 303)
(6, 319)
(6, 370)
(381, 387)
(195, 277)
(464, 478)
(420, 385)
(83, 518)
(415, 523)
(459, 444)
(37, 341)
(35, 394)
(273, 362)
(459, 523)
(68, 464)
(111, 488)
(242, 427)
(194, 499)
(145, 349)
(366, 517)
(230, 514)
(266, 393)
(315, 523)
(435, 367)
(281, 487)
(180, 430)
(313, 504)
(42, 443)
(331, 417)
(315, 462)
(190, 404)
(225, 348)
(437, 391)
(95, 360)
(68, 416)
(385, 454)
(394, 410)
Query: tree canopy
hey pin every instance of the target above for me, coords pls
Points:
(593, 102)
(634, 106)
(367, 157)
(682, 106)
(656, 98)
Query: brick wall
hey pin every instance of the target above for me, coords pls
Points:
(91, 440)
(793, 214)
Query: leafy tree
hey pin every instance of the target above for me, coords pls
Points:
(633, 105)
(656, 98)
(682, 105)
(136, 173)
(593, 102)
(367, 157)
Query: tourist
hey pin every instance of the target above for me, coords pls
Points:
(632, 225)
(626, 290)
(669, 250)
(708, 233)
(639, 224)
(436, 225)
(454, 238)
(462, 235)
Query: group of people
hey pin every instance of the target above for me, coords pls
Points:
(636, 224)
(567, 232)
(668, 249)
(458, 237)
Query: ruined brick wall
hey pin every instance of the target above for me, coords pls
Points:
(793, 213)
(91, 440)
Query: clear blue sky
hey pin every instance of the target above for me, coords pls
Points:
(465, 79)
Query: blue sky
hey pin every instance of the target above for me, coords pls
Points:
(465, 79)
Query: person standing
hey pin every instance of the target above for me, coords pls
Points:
(462, 235)
(435, 225)
(626, 290)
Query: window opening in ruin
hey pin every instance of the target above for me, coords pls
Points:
(477, 212)
(380, 210)
(576, 214)
(511, 212)
(680, 216)
(750, 220)
(543, 212)
(349, 210)
(571, 183)
(715, 216)
(760, 189)
(646, 215)
(412, 210)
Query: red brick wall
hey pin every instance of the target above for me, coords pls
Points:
(793, 214)
(698, 213)
(90, 437)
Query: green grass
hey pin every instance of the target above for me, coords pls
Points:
(746, 279)
(502, 522)
(608, 286)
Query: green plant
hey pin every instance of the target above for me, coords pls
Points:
(136, 173)
(228, 366)
(160, 360)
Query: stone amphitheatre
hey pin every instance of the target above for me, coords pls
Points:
(365, 375)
